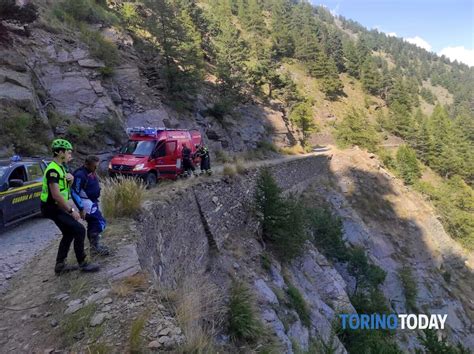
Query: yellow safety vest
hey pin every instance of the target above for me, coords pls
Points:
(63, 184)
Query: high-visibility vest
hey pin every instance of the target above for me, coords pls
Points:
(63, 184)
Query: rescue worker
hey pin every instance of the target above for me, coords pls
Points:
(85, 193)
(186, 155)
(55, 205)
(203, 153)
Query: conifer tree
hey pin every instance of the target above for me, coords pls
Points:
(356, 130)
(302, 115)
(332, 85)
(370, 77)
(282, 41)
(230, 51)
(352, 59)
(335, 50)
(407, 164)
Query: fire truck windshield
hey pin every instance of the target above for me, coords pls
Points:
(134, 147)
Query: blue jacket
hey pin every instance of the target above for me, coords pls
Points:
(86, 186)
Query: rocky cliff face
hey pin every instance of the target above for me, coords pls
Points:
(54, 76)
(209, 228)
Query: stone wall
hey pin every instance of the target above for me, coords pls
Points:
(179, 233)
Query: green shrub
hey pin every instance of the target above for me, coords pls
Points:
(409, 287)
(221, 108)
(266, 261)
(369, 301)
(135, 340)
(76, 323)
(106, 71)
(387, 158)
(100, 48)
(243, 321)
(282, 220)
(128, 13)
(83, 11)
(26, 132)
(299, 304)
(427, 95)
(327, 233)
(363, 341)
(80, 134)
(454, 202)
(122, 197)
(434, 345)
(367, 275)
(222, 156)
(266, 146)
(112, 127)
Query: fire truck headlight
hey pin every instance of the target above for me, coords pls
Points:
(139, 167)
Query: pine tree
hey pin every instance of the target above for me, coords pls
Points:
(319, 67)
(423, 142)
(302, 115)
(356, 130)
(282, 42)
(303, 30)
(332, 85)
(230, 51)
(335, 50)
(190, 48)
(399, 94)
(370, 77)
(401, 119)
(407, 164)
(352, 59)
(179, 42)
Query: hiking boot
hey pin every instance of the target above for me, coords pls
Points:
(61, 268)
(100, 250)
(96, 247)
(87, 266)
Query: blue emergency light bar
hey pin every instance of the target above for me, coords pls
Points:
(149, 131)
(15, 158)
(144, 131)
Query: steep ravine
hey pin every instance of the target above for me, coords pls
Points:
(175, 244)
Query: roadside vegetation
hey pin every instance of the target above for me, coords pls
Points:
(122, 197)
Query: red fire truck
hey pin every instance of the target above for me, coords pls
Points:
(153, 153)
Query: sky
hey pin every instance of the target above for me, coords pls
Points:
(440, 26)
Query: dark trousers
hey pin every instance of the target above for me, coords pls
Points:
(205, 163)
(188, 165)
(71, 229)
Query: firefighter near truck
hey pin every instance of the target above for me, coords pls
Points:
(154, 153)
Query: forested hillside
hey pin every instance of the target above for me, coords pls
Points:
(266, 51)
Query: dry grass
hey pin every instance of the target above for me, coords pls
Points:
(131, 284)
(229, 170)
(240, 167)
(199, 312)
(293, 150)
(122, 197)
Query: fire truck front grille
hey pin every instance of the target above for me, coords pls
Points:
(122, 168)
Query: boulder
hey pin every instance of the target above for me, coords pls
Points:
(91, 63)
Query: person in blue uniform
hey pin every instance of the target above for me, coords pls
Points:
(85, 193)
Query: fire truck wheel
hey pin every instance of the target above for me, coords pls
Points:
(150, 179)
